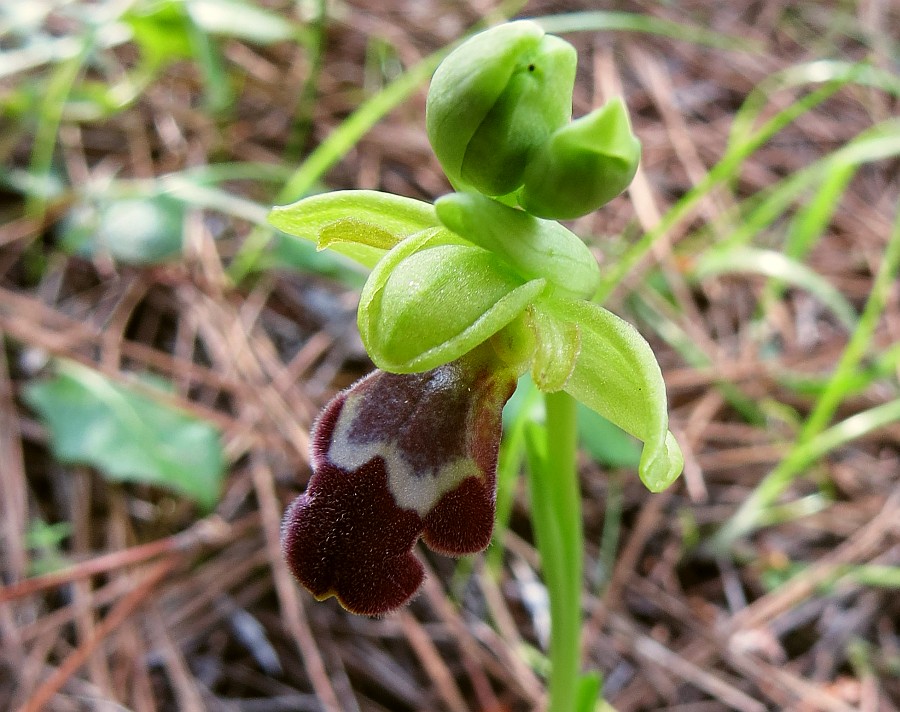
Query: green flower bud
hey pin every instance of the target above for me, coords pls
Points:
(495, 100)
(583, 165)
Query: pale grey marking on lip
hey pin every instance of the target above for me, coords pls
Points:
(410, 490)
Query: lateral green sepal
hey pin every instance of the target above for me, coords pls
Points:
(616, 374)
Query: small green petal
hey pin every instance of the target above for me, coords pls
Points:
(427, 303)
(557, 345)
(617, 375)
(535, 248)
(360, 224)
(583, 165)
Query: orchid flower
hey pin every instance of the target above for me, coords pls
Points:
(463, 298)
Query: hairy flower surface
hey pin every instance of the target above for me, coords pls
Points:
(398, 457)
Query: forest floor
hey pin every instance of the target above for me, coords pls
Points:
(770, 297)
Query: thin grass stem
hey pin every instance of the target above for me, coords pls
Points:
(812, 442)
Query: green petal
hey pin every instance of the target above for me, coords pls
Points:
(535, 248)
(617, 375)
(556, 348)
(583, 165)
(360, 224)
(428, 302)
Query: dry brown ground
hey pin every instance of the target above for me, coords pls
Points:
(160, 610)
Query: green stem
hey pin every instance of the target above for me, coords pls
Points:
(556, 514)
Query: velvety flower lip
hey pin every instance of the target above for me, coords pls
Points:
(398, 457)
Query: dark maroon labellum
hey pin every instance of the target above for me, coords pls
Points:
(395, 458)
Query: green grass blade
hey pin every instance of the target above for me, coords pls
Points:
(816, 72)
(658, 314)
(758, 213)
(48, 121)
(348, 134)
(606, 21)
(747, 260)
(740, 148)
(812, 442)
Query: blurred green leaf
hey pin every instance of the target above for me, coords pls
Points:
(605, 442)
(50, 186)
(287, 252)
(242, 20)
(44, 540)
(128, 435)
(166, 31)
(136, 231)
(161, 30)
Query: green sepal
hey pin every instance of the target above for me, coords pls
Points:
(433, 298)
(616, 374)
(496, 99)
(535, 248)
(360, 224)
(583, 165)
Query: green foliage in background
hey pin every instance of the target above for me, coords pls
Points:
(128, 434)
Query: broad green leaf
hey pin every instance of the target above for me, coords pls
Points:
(617, 375)
(128, 435)
(428, 302)
(133, 230)
(360, 224)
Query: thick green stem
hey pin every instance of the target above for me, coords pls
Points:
(556, 514)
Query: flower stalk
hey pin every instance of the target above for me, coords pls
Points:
(556, 517)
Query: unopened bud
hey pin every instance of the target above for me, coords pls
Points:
(583, 165)
(495, 100)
